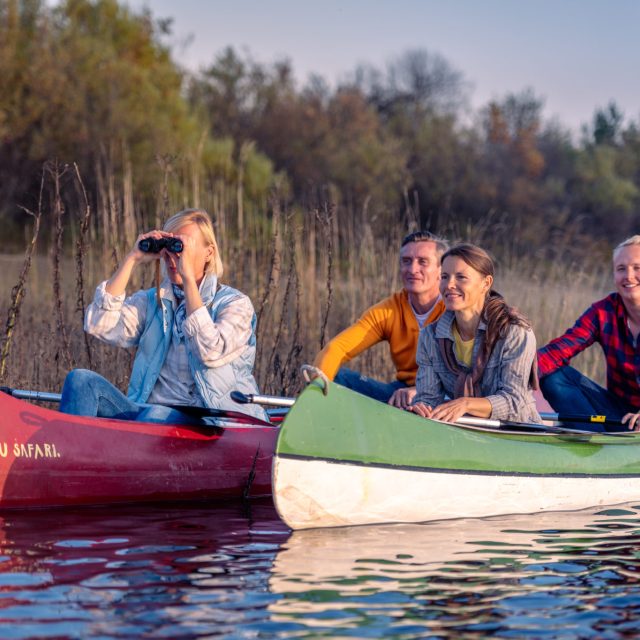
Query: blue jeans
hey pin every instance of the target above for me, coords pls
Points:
(570, 392)
(369, 387)
(86, 393)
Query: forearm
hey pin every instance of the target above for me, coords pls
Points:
(115, 320)
(509, 392)
(431, 396)
(429, 387)
(559, 351)
(217, 343)
(479, 407)
(193, 300)
(345, 346)
(117, 284)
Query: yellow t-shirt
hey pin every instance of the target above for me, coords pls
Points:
(463, 348)
(392, 320)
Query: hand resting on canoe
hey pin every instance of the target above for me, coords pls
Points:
(479, 357)
(402, 398)
(453, 409)
(632, 420)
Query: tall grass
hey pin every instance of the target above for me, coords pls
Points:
(308, 279)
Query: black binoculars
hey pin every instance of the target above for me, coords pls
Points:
(156, 245)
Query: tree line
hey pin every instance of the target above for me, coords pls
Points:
(92, 84)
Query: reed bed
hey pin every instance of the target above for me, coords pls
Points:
(307, 281)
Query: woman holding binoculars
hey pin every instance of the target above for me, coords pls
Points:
(195, 337)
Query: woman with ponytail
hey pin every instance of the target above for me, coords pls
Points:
(480, 357)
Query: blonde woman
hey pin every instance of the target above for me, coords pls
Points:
(195, 337)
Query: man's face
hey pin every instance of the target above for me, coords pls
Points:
(626, 274)
(420, 268)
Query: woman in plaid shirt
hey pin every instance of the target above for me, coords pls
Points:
(613, 322)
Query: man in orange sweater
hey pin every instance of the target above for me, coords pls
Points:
(396, 319)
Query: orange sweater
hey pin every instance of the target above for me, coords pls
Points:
(392, 320)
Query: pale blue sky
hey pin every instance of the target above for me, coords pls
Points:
(575, 54)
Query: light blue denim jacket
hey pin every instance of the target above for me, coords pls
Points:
(505, 382)
(150, 329)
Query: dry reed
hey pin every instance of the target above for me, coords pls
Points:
(311, 277)
(19, 290)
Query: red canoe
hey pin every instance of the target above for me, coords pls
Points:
(48, 458)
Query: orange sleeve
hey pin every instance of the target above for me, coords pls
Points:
(370, 329)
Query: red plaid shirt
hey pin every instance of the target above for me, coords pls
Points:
(605, 322)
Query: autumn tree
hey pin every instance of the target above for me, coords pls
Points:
(607, 190)
(91, 82)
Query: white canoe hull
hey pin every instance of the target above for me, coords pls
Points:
(317, 493)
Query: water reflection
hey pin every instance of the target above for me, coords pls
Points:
(235, 571)
(131, 571)
(550, 575)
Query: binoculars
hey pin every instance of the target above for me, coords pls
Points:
(156, 245)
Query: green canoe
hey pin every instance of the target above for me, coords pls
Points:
(343, 459)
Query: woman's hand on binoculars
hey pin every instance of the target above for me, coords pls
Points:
(187, 258)
(141, 253)
(117, 284)
(142, 256)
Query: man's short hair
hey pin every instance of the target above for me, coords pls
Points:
(426, 236)
(627, 243)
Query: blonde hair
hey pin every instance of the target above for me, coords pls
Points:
(203, 220)
(626, 243)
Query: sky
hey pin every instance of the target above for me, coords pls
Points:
(576, 55)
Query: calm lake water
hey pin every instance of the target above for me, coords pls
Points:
(235, 571)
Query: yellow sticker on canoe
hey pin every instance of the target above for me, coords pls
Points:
(597, 418)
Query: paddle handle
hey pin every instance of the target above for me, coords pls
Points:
(479, 422)
(254, 398)
(492, 423)
(23, 394)
(566, 417)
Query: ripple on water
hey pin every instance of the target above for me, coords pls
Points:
(236, 571)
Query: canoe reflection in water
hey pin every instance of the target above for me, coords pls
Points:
(235, 571)
(135, 571)
(565, 573)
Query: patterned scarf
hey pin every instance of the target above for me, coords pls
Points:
(180, 314)
(467, 384)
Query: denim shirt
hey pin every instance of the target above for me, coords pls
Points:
(138, 321)
(505, 382)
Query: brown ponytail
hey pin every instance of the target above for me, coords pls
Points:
(498, 316)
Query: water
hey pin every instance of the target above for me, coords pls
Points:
(235, 571)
